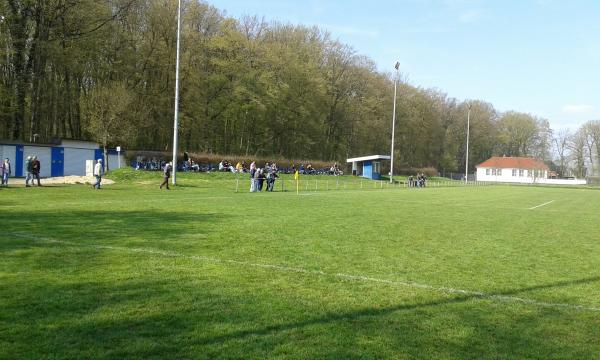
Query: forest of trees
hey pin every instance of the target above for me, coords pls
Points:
(103, 70)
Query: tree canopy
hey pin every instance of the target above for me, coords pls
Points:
(73, 69)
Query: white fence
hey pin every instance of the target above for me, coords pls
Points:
(318, 185)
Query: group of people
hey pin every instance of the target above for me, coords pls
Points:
(33, 168)
(420, 180)
(258, 176)
(310, 170)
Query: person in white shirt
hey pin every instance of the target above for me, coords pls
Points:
(98, 172)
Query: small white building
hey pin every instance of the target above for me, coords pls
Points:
(523, 170)
(67, 158)
(368, 166)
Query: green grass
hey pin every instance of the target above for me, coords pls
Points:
(203, 272)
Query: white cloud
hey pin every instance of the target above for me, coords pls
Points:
(577, 109)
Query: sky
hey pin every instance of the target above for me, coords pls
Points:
(536, 56)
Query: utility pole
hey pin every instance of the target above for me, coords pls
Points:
(397, 67)
(467, 157)
(176, 116)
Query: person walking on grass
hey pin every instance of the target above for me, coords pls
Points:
(28, 175)
(36, 167)
(5, 171)
(167, 174)
(98, 172)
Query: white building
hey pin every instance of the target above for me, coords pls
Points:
(67, 158)
(523, 170)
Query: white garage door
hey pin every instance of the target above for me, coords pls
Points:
(44, 155)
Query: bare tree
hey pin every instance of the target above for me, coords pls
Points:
(577, 145)
(560, 140)
(104, 109)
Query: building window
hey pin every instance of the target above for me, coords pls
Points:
(487, 171)
(498, 172)
(377, 167)
(521, 172)
(514, 172)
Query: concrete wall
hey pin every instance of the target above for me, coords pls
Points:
(75, 160)
(44, 155)
(10, 152)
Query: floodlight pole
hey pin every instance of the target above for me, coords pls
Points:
(176, 115)
(467, 157)
(397, 67)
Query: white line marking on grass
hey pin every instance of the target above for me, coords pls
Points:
(544, 204)
(349, 277)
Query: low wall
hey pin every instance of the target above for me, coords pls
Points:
(562, 181)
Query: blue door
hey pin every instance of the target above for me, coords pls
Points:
(19, 161)
(98, 154)
(58, 162)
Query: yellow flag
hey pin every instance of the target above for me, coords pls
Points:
(296, 175)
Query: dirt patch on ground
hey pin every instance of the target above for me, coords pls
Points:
(75, 180)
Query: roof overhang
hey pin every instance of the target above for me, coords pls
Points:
(367, 158)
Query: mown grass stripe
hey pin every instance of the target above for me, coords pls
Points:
(350, 277)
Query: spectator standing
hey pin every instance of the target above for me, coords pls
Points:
(5, 171)
(28, 175)
(36, 167)
(252, 179)
(271, 177)
(98, 173)
(261, 178)
(166, 175)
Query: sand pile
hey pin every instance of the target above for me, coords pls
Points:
(75, 180)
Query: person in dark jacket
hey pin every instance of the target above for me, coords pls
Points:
(271, 177)
(167, 174)
(36, 167)
(261, 179)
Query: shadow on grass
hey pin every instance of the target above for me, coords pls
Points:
(175, 318)
(372, 312)
(105, 226)
(75, 309)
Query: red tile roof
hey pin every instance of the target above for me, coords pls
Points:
(513, 163)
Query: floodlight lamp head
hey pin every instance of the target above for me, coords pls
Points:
(397, 66)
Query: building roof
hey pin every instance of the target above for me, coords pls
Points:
(513, 163)
(370, 157)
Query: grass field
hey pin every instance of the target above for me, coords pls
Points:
(203, 272)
